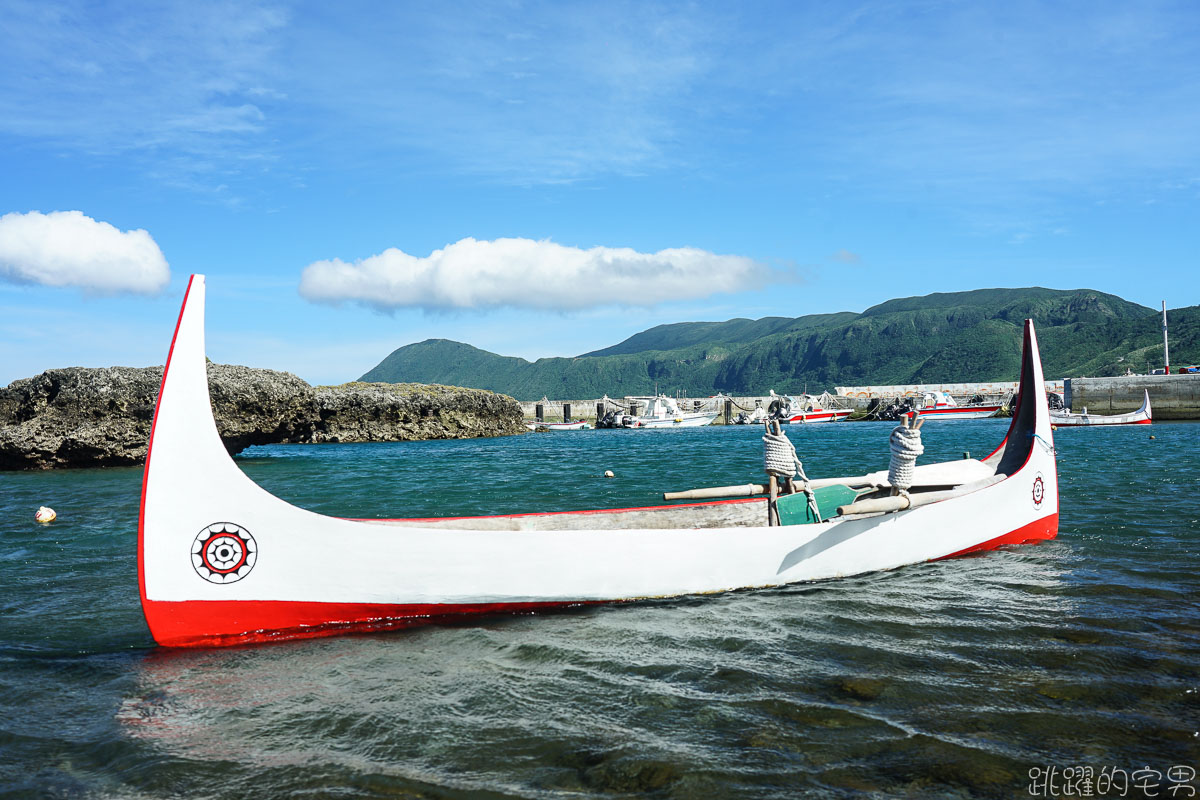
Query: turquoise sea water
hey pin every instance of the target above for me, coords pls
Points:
(949, 679)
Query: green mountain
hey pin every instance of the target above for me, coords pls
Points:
(734, 331)
(944, 337)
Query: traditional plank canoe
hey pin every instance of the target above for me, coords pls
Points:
(578, 425)
(1142, 416)
(221, 561)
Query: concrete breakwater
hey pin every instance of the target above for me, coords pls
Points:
(858, 398)
(79, 417)
(557, 410)
(1172, 397)
(956, 390)
(727, 407)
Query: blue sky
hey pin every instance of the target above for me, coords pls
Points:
(545, 179)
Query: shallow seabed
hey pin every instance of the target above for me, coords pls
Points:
(960, 678)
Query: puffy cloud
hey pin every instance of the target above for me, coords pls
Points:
(524, 273)
(69, 248)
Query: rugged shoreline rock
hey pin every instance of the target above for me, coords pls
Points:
(84, 417)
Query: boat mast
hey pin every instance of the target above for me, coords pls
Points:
(1166, 357)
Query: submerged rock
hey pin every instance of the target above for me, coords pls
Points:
(84, 417)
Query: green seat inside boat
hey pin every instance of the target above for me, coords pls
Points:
(794, 508)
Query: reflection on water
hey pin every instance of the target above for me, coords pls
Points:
(865, 683)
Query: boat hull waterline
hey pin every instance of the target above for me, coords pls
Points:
(222, 561)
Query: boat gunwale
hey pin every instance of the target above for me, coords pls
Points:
(732, 501)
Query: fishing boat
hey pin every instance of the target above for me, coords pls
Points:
(940, 405)
(807, 409)
(221, 561)
(1142, 416)
(664, 412)
(578, 425)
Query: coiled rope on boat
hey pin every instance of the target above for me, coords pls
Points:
(781, 461)
(906, 446)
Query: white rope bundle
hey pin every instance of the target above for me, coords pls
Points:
(780, 459)
(906, 446)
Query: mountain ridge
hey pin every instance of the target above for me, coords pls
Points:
(942, 337)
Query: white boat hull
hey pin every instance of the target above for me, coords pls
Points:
(814, 417)
(682, 421)
(559, 426)
(959, 412)
(221, 561)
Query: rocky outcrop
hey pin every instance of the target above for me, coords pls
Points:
(80, 417)
(398, 412)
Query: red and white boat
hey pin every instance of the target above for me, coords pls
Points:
(940, 405)
(1143, 416)
(807, 409)
(221, 561)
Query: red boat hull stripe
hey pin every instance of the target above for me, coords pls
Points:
(1036, 531)
(226, 622)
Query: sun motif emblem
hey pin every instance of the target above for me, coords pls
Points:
(1039, 491)
(224, 553)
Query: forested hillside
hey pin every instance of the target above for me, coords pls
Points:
(962, 336)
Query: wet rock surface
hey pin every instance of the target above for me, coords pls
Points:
(94, 417)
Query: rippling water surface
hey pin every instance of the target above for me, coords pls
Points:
(949, 679)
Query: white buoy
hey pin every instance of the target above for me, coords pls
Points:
(608, 473)
(45, 514)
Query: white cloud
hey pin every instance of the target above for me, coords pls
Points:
(523, 273)
(69, 248)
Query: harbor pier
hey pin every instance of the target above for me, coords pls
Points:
(1171, 396)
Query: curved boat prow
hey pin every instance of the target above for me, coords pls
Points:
(1030, 412)
(222, 561)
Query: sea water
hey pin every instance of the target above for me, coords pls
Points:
(1015, 673)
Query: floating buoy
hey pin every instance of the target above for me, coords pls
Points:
(608, 473)
(1053, 427)
(1152, 437)
(45, 515)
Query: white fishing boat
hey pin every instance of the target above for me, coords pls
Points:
(664, 412)
(221, 561)
(1143, 416)
(806, 409)
(940, 405)
(579, 425)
